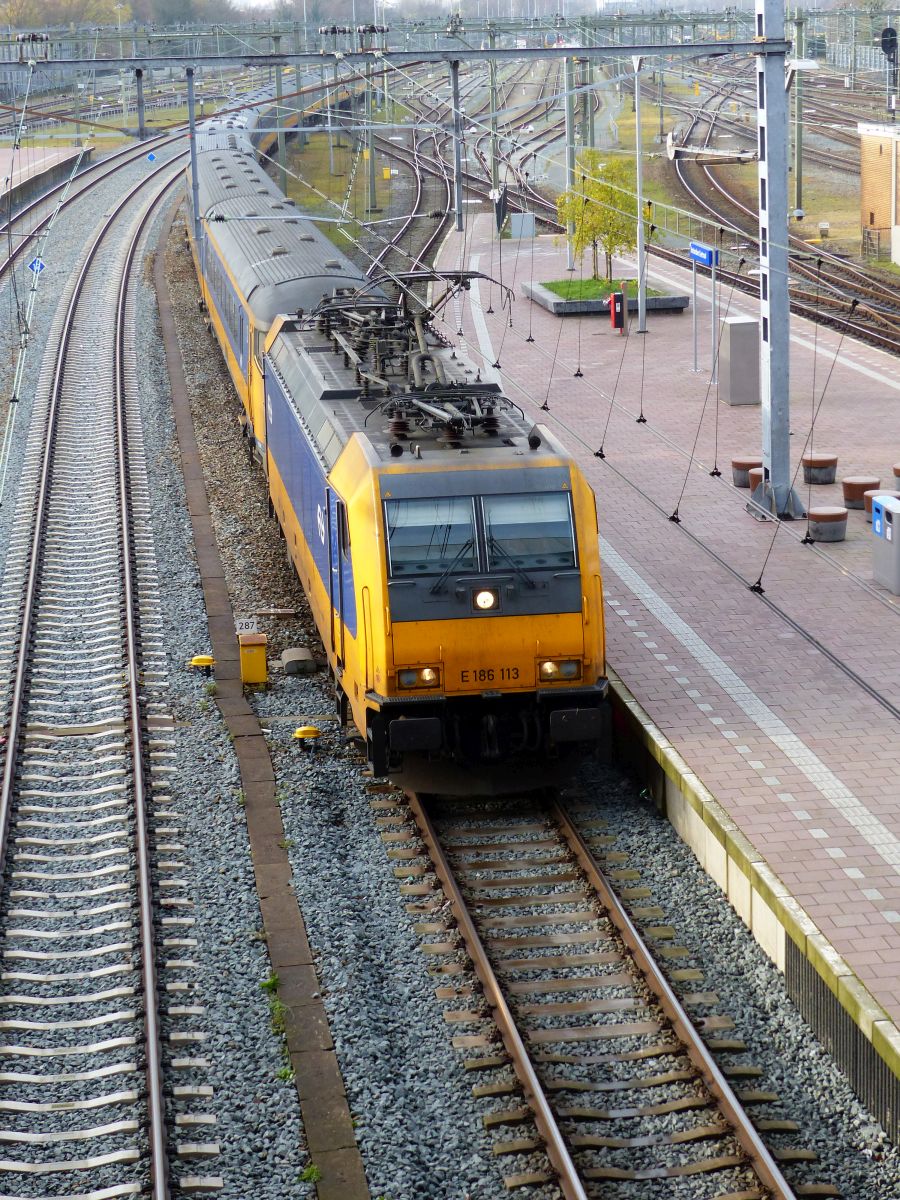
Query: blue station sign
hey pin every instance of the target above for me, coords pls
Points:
(706, 256)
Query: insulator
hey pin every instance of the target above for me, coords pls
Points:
(491, 426)
(398, 427)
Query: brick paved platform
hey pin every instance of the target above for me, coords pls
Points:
(776, 702)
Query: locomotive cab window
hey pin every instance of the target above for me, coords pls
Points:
(343, 531)
(428, 536)
(531, 531)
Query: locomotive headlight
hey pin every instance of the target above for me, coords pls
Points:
(486, 599)
(559, 668)
(419, 677)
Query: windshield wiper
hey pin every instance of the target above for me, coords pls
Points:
(442, 578)
(502, 552)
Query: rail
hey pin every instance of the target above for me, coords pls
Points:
(751, 1143)
(569, 1181)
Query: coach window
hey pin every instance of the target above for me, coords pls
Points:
(428, 536)
(530, 530)
(259, 338)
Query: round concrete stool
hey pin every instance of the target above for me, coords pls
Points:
(741, 468)
(855, 487)
(828, 523)
(754, 478)
(867, 499)
(819, 468)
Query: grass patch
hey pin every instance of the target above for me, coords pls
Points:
(594, 289)
(277, 1016)
(313, 164)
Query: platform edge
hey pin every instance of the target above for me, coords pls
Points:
(762, 901)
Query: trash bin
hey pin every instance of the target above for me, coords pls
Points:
(886, 544)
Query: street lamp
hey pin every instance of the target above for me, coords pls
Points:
(118, 10)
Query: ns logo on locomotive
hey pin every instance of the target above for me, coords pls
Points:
(448, 546)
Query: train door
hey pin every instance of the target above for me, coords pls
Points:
(337, 552)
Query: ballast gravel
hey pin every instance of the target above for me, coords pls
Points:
(258, 1129)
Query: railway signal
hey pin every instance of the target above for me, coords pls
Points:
(889, 47)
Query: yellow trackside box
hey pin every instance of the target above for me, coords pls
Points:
(253, 658)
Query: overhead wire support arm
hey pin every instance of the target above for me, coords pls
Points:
(400, 58)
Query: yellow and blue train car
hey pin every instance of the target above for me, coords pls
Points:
(448, 547)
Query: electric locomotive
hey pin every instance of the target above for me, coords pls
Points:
(448, 546)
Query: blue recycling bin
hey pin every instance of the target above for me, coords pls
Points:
(886, 542)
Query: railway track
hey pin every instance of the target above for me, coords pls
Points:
(84, 818)
(27, 223)
(595, 1077)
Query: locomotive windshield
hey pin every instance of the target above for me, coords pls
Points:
(428, 536)
(528, 531)
(436, 536)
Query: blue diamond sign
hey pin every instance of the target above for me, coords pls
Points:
(151, 157)
(36, 265)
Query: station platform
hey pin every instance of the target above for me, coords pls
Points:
(770, 722)
(33, 169)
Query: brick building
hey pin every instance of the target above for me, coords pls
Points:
(878, 198)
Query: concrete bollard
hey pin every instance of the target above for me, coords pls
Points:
(819, 468)
(867, 499)
(828, 523)
(855, 487)
(741, 468)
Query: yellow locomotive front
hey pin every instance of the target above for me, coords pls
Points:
(494, 644)
(448, 546)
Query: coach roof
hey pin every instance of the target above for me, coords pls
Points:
(279, 259)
